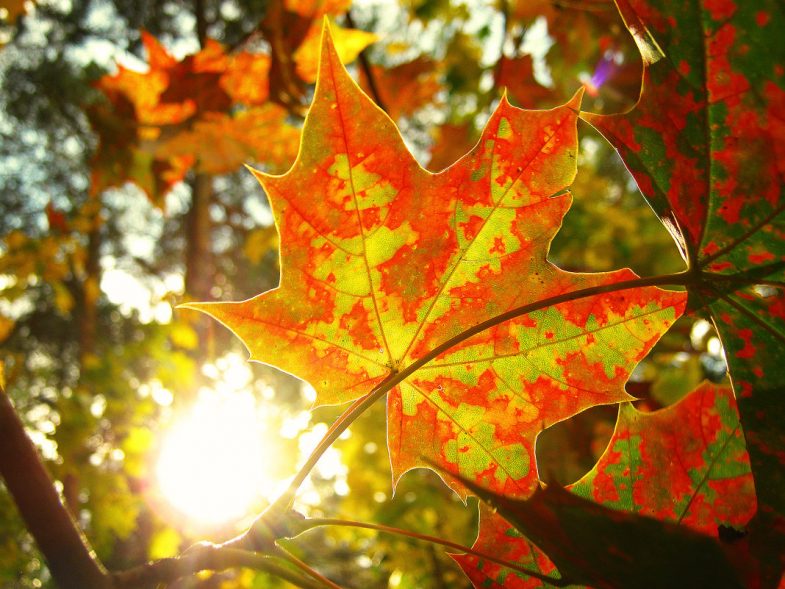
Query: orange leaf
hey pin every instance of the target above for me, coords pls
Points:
(317, 8)
(156, 124)
(407, 87)
(517, 75)
(383, 261)
(220, 143)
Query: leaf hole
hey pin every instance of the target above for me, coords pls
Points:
(569, 449)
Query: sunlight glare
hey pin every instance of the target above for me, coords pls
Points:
(214, 465)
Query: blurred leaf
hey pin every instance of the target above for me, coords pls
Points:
(348, 45)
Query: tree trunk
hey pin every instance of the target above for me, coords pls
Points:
(54, 531)
(198, 256)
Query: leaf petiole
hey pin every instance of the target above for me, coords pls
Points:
(319, 522)
(316, 575)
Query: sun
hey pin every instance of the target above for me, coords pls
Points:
(215, 463)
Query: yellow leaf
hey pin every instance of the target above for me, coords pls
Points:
(259, 242)
(164, 544)
(6, 325)
(348, 44)
(63, 300)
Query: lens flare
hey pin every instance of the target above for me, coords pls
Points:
(214, 464)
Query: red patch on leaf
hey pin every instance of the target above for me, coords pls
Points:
(748, 351)
(720, 10)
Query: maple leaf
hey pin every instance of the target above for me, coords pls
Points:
(686, 464)
(705, 145)
(600, 547)
(124, 138)
(382, 261)
(158, 124)
(219, 143)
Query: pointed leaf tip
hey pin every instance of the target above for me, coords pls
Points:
(575, 102)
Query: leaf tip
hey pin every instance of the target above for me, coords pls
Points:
(327, 44)
(575, 102)
(260, 176)
(504, 101)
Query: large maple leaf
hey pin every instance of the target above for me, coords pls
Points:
(706, 145)
(382, 261)
(686, 464)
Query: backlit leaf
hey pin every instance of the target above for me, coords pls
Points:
(600, 547)
(382, 261)
(686, 464)
(705, 144)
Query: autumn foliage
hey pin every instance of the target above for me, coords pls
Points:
(434, 290)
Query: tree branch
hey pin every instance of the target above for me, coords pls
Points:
(71, 561)
(206, 557)
(362, 59)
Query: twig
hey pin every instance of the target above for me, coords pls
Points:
(366, 68)
(316, 575)
(206, 557)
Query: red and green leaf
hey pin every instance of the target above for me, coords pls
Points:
(705, 144)
(600, 547)
(686, 465)
(383, 261)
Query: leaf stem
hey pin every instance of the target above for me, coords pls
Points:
(206, 557)
(395, 378)
(316, 575)
(318, 522)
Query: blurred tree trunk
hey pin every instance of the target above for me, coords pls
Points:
(198, 229)
(86, 316)
(198, 255)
